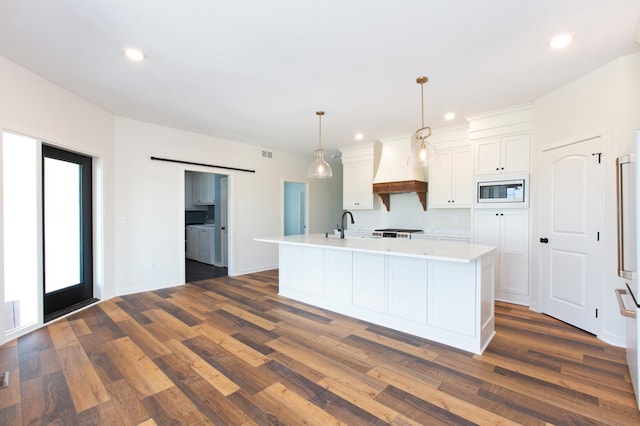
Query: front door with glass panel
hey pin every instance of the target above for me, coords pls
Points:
(67, 230)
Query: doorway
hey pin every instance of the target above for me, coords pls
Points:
(205, 225)
(572, 221)
(295, 211)
(67, 226)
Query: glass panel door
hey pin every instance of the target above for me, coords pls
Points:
(67, 231)
(62, 225)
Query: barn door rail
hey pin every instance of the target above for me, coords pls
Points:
(202, 164)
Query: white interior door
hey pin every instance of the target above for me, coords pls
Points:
(572, 218)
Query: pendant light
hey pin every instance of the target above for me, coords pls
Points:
(319, 169)
(421, 147)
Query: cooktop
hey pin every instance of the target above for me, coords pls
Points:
(399, 230)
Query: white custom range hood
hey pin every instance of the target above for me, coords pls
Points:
(397, 173)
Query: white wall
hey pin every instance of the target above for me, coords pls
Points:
(150, 202)
(33, 106)
(325, 204)
(607, 102)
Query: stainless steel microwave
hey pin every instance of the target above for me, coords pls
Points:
(502, 191)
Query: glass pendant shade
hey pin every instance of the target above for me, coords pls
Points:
(319, 169)
(421, 148)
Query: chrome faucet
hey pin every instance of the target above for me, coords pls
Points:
(342, 222)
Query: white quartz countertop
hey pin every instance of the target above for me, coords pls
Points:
(443, 250)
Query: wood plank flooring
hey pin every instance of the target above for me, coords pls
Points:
(231, 351)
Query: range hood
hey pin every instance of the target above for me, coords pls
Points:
(397, 174)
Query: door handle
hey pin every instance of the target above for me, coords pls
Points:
(223, 228)
(544, 240)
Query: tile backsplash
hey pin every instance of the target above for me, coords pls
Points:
(193, 217)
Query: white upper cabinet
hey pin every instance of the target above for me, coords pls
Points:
(357, 192)
(203, 190)
(501, 140)
(451, 178)
(358, 169)
(502, 154)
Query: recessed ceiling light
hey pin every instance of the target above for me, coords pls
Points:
(450, 116)
(359, 136)
(561, 41)
(134, 54)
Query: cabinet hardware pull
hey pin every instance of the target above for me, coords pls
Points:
(544, 240)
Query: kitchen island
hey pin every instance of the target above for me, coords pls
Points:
(436, 289)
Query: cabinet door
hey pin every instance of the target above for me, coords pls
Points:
(369, 281)
(515, 153)
(357, 185)
(338, 276)
(192, 243)
(209, 188)
(487, 156)
(508, 230)
(204, 246)
(302, 269)
(440, 174)
(451, 297)
(408, 288)
(196, 182)
(203, 188)
(188, 191)
(461, 178)
(349, 186)
(291, 268)
(514, 254)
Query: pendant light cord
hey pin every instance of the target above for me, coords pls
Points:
(422, 103)
(421, 81)
(320, 114)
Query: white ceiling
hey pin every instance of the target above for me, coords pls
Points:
(256, 71)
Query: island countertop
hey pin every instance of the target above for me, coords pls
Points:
(442, 250)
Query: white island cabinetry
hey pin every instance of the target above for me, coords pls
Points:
(435, 289)
(369, 281)
(407, 292)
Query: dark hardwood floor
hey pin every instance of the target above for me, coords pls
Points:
(229, 350)
(196, 271)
